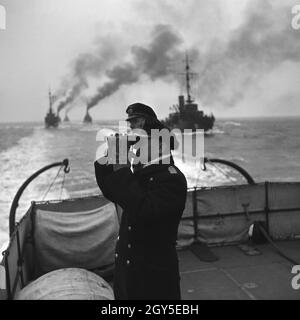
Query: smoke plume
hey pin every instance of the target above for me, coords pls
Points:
(86, 65)
(154, 61)
(228, 68)
(262, 43)
(72, 94)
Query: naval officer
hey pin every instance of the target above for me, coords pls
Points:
(152, 197)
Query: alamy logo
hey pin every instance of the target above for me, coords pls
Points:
(296, 17)
(140, 147)
(296, 279)
(2, 18)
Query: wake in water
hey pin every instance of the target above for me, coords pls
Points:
(197, 177)
(232, 123)
(25, 148)
(16, 165)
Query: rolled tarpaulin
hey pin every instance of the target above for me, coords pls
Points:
(67, 284)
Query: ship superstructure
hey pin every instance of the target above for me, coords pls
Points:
(51, 119)
(186, 114)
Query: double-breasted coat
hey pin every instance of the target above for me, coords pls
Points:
(153, 200)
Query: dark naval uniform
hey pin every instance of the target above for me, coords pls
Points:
(153, 200)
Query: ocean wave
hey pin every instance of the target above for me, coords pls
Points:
(20, 126)
(196, 177)
(96, 127)
(11, 126)
(19, 162)
(90, 128)
(232, 123)
(85, 192)
(217, 131)
(241, 159)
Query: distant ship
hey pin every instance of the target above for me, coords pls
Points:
(51, 119)
(87, 118)
(186, 114)
(66, 119)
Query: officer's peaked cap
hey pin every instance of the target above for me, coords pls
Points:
(138, 109)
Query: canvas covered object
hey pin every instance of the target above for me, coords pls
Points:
(78, 235)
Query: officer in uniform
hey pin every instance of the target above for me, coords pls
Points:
(153, 199)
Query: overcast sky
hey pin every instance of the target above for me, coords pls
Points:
(110, 53)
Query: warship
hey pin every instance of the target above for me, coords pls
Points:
(87, 118)
(51, 119)
(186, 114)
(66, 119)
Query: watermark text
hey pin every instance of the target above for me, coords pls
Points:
(140, 147)
(2, 18)
(296, 17)
(296, 279)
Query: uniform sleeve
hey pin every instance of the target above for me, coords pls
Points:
(166, 194)
(113, 184)
(102, 173)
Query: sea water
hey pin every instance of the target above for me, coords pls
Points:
(268, 148)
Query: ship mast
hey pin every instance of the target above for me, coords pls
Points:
(50, 101)
(188, 77)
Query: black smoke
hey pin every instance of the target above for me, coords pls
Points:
(85, 66)
(262, 43)
(153, 60)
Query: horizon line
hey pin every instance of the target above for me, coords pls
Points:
(120, 119)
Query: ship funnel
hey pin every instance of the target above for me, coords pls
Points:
(66, 119)
(181, 102)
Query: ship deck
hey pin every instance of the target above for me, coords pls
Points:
(234, 275)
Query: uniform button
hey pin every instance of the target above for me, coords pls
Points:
(116, 255)
(118, 238)
(129, 246)
(151, 179)
(129, 228)
(128, 262)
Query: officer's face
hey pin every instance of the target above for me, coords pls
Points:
(137, 123)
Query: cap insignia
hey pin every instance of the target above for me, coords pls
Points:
(172, 170)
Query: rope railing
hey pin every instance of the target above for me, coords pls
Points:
(15, 203)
